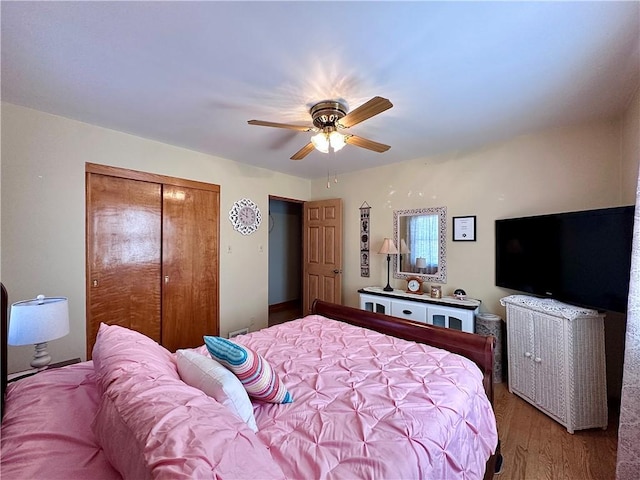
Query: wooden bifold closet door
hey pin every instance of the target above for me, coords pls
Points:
(152, 256)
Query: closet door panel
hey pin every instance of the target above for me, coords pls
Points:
(124, 222)
(190, 266)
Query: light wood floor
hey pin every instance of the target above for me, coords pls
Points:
(535, 447)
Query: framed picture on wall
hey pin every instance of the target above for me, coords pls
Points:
(464, 229)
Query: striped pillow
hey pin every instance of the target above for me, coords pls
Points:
(254, 372)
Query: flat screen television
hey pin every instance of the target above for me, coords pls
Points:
(582, 258)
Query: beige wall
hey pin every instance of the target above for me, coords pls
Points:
(43, 216)
(42, 222)
(561, 170)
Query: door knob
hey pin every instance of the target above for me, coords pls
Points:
(336, 271)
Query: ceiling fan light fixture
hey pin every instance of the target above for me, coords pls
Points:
(321, 142)
(330, 115)
(337, 141)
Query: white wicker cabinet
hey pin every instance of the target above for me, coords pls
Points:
(557, 360)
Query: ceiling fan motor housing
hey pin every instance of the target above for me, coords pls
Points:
(327, 113)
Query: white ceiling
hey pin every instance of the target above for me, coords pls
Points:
(460, 74)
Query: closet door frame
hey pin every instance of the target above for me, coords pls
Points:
(92, 168)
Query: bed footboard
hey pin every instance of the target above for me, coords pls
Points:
(3, 347)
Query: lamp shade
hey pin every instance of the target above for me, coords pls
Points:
(39, 320)
(321, 142)
(388, 246)
(421, 262)
(336, 140)
(404, 248)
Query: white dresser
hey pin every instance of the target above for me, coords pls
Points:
(556, 360)
(446, 312)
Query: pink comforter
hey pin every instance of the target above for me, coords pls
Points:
(365, 406)
(46, 429)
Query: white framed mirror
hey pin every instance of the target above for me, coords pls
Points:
(420, 236)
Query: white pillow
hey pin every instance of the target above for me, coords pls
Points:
(206, 374)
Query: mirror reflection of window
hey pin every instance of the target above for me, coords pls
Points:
(423, 234)
(420, 235)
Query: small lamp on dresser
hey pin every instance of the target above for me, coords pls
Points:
(38, 321)
(389, 248)
(404, 251)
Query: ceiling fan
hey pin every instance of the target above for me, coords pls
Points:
(331, 116)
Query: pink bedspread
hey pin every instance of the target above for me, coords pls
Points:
(46, 429)
(368, 405)
(365, 406)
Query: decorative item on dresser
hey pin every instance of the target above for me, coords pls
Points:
(557, 360)
(389, 248)
(448, 312)
(414, 285)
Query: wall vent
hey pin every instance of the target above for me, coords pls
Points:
(235, 333)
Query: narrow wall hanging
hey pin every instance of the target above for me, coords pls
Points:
(364, 239)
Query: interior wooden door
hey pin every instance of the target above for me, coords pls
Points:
(322, 251)
(124, 228)
(190, 265)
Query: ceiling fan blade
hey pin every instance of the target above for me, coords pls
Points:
(365, 143)
(303, 152)
(367, 110)
(300, 128)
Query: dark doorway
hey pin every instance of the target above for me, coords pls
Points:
(285, 260)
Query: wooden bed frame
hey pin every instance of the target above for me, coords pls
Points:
(5, 334)
(478, 348)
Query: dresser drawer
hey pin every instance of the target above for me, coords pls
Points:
(409, 310)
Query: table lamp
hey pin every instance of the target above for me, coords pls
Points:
(421, 264)
(38, 321)
(388, 247)
(404, 248)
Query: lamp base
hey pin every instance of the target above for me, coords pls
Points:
(41, 358)
(388, 288)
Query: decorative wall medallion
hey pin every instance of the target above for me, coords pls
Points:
(245, 216)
